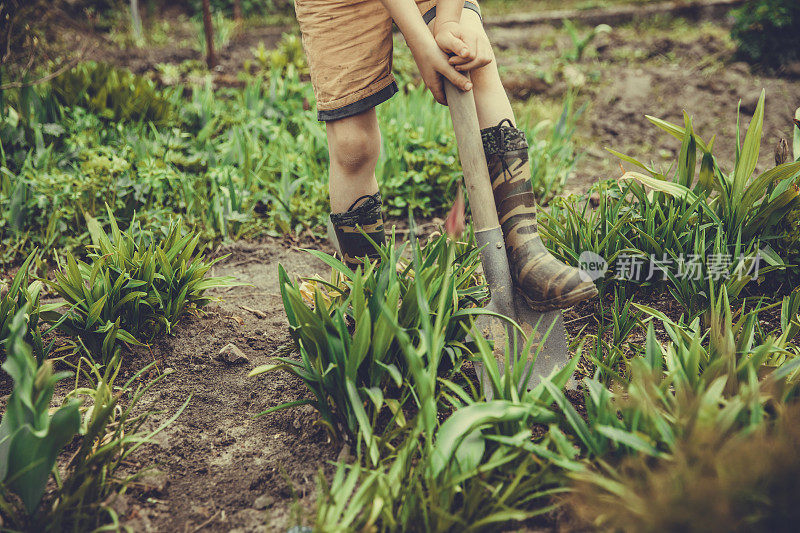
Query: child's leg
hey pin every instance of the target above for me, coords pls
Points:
(546, 282)
(349, 48)
(354, 144)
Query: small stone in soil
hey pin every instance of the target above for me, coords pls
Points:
(119, 503)
(232, 355)
(154, 482)
(257, 312)
(263, 501)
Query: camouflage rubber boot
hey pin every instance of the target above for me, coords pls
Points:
(352, 243)
(544, 281)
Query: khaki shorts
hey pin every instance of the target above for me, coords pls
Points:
(349, 49)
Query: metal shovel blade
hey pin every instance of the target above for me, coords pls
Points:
(549, 349)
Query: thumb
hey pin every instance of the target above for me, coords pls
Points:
(457, 78)
(452, 44)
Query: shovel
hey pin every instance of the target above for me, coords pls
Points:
(553, 351)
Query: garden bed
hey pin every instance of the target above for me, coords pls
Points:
(217, 468)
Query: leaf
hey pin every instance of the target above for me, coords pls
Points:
(796, 129)
(95, 310)
(688, 154)
(758, 187)
(706, 179)
(748, 159)
(364, 426)
(673, 189)
(653, 355)
(469, 453)
(99, 237)
(333, 263)
(675, 131)
(376, 395)
(30, 439)
(629, 439)
(284, 406)
(573, 418)
(463, 422)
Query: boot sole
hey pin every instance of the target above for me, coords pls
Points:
(562, 302)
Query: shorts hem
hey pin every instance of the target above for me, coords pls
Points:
(359, 106)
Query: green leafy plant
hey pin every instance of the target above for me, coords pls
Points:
(789, 242)
(24, 295)
(698, 277)
(404, 494)
(224, 30)
(344, 329)
(723, 482)
(740, 203)
(629, 228)
(112, 93)
(468, 472)
(619, 320)
(288, 54)
(112, 431)
(14, 298)
(418, 169)
(234, 162)
(718, 380)
(30, 437)
(705, 217)
(100, 414)
(131, 289)
(552, 157)
(579, 43)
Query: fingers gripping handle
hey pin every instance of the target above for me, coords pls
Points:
(473, 160)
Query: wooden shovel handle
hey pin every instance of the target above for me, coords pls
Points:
(473, 160)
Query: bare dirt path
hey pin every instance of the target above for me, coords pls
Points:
(220, 468)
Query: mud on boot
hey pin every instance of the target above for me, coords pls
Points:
(544, 281)
(364, 213)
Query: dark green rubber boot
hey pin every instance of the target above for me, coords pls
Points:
(545, 282)
(365, 213)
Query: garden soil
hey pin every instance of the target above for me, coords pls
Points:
(217, 468)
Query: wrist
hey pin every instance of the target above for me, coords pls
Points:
(420, 43)
(443, 25)
(448, 12)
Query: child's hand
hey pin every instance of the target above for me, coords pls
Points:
(434, 66)
(469, 49)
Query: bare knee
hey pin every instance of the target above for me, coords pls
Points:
(354, 143)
